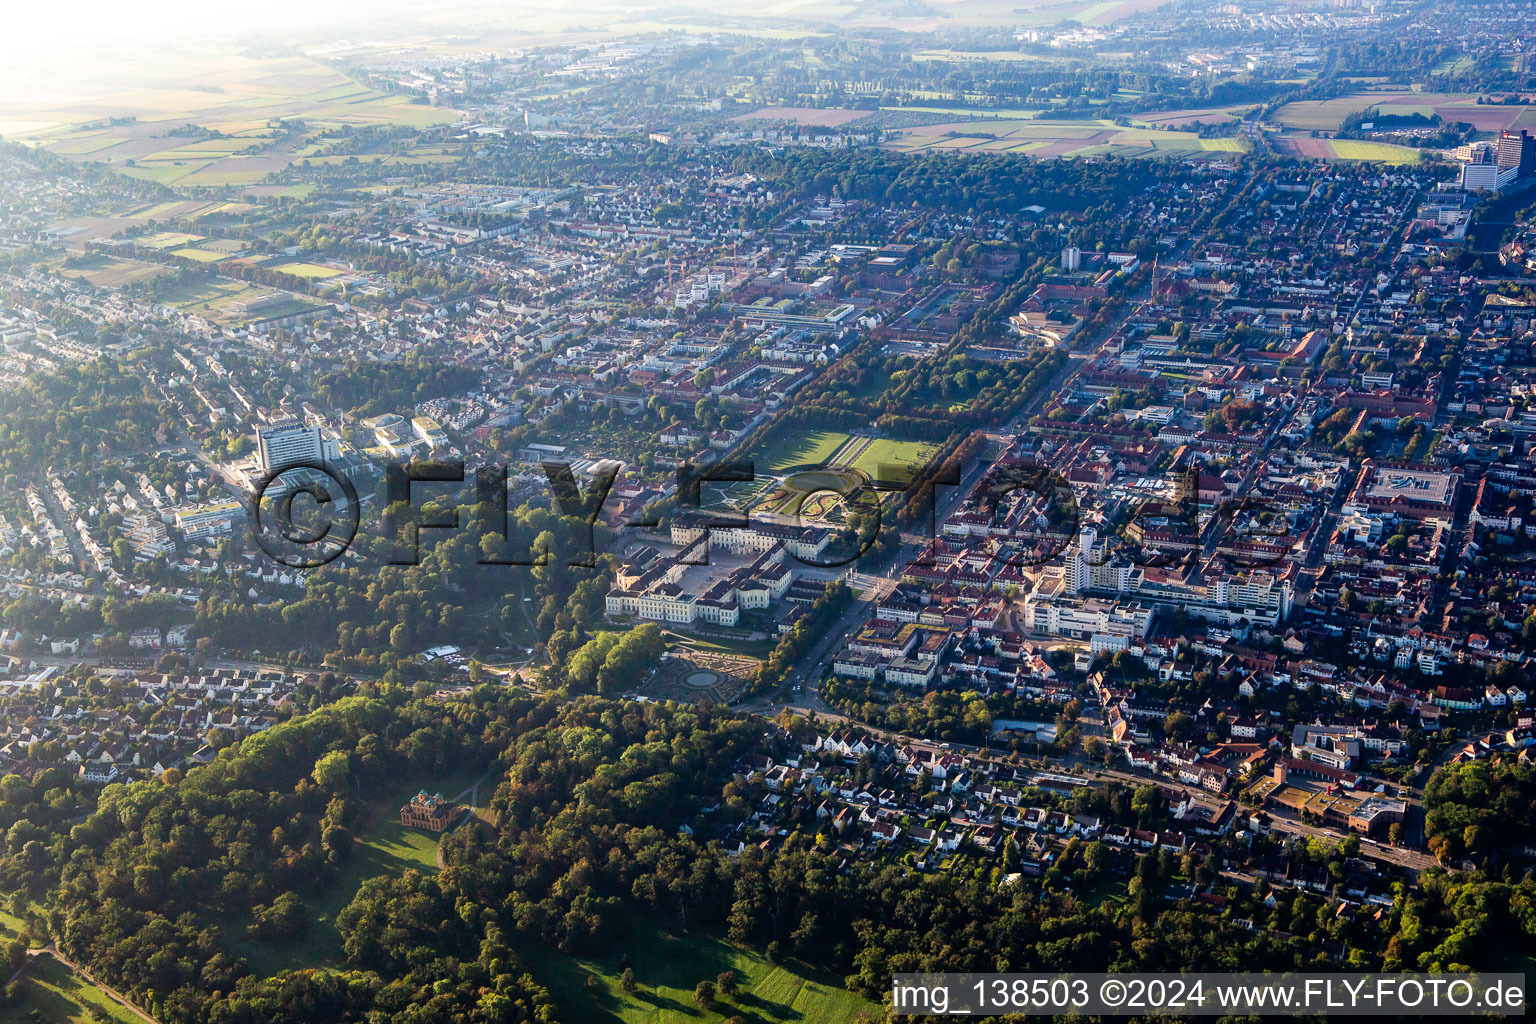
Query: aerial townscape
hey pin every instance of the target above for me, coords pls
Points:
(641, 515)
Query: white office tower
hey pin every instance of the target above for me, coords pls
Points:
(289, 443)
(1071, 258)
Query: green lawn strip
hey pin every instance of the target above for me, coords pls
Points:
(794, 448)
(10, 925)
(891, 452)
(60, 996)
(668, 967)
(724, 645)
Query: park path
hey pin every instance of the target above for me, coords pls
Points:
(117, 996)
(848, 454)
(473, 792)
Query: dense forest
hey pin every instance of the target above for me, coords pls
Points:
(371, 611)
(611, 817)
(1478, 808)
(65, 418)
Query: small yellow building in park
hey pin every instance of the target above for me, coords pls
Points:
(428, 811)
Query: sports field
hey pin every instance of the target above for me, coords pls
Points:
(200, 255)
(311, 270)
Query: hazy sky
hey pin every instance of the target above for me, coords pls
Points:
(65, 51)
(31, 24)
(56, 48)
(74, 24)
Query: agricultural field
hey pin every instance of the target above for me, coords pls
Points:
(1184, 118)
(227, 246)
(1344, 149)
(738, 26)
(1059, 138)
(164, 211)
(110, 271)
(667, 967)
(826, 117)
(980, 113)
(795, 19)
(1329, 115)
(1109, 11)
(78, 232)
(221, 301)
(251, 104)
(1174, 119)
(1044, 12)
(1350, 149)
(414, 158)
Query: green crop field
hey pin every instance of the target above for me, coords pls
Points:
(1406, 109)
(213, 179)
(1324, 115)
(1350, 149)
(165, 174)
